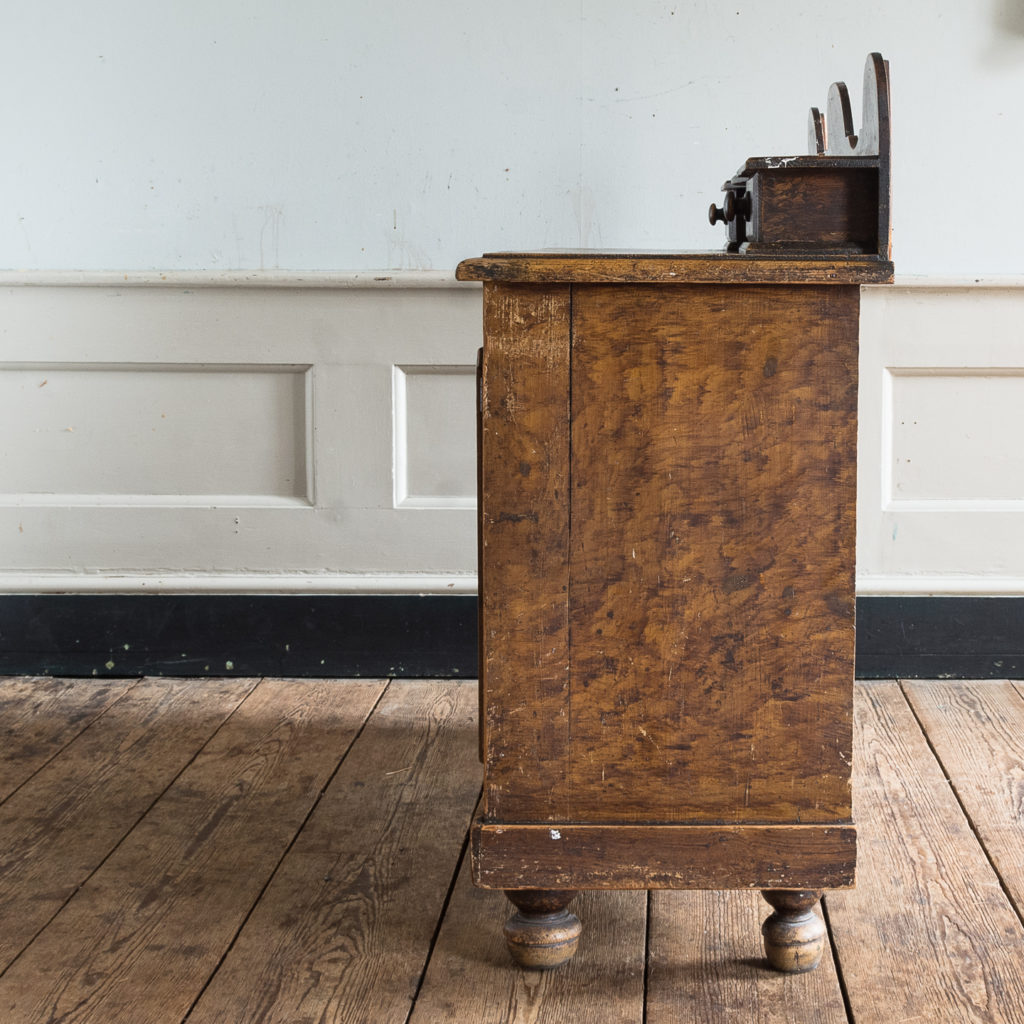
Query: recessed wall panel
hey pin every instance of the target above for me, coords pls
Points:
(435, 431)
(954, 435)
(155, 433)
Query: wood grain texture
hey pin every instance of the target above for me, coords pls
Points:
(706, 966)
(649, 856)
(712, 553)
(472, 978)
(61, 825)
(524, 516)
(822, 208)
(141, 937)
(977, 731)
(587, 267)
(41, 715)
(928, 934)
(344, 930)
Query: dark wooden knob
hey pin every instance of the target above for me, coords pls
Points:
(731, 208)
(716, 213)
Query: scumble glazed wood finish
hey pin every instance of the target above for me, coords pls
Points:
(711, 556)
(667, 523)
(592, 266)
(667, 477)
(652, 856)
(524, 516)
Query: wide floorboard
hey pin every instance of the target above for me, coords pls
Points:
(295, 851)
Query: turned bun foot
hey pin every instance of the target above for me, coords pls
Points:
(794, 936)
(543, 934)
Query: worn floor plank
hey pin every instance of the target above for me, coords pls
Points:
(472, 978)
(928, 934)
(40, 716)
(341, 929)
(58, 827)
(977, 730)
(706, 964)
(344, 930)
(147, 930)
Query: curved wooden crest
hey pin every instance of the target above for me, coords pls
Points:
(836, 199)
(834, 134)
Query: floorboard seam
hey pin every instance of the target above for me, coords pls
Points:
(84, 730)
(844, 991)
(444, 907)
(1018, 911)
(280, 860)
(110, 853)
(647, 955)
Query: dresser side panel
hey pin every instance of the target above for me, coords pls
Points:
(712, 553)
(524, 536)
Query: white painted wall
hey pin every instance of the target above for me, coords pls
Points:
(299, 426)
(409, 134)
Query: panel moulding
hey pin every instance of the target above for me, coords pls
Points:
(963, 414)
(106, 437)
(430, 434)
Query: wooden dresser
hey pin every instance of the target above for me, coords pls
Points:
(667, 513)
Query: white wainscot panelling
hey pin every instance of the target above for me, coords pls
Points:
(303, 432)
(941, 484)
(154, 434)
(203, 432)
(434, 431)
(948, 437)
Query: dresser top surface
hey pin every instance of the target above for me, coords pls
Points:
(593, 266)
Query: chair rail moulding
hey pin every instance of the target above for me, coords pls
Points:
(234, 278)
(411, 584)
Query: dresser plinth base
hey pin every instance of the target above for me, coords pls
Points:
(564, 857)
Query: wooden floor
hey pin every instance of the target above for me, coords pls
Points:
(295, 851)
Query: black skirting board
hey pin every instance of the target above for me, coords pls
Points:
(226, 635)
(339, 636)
